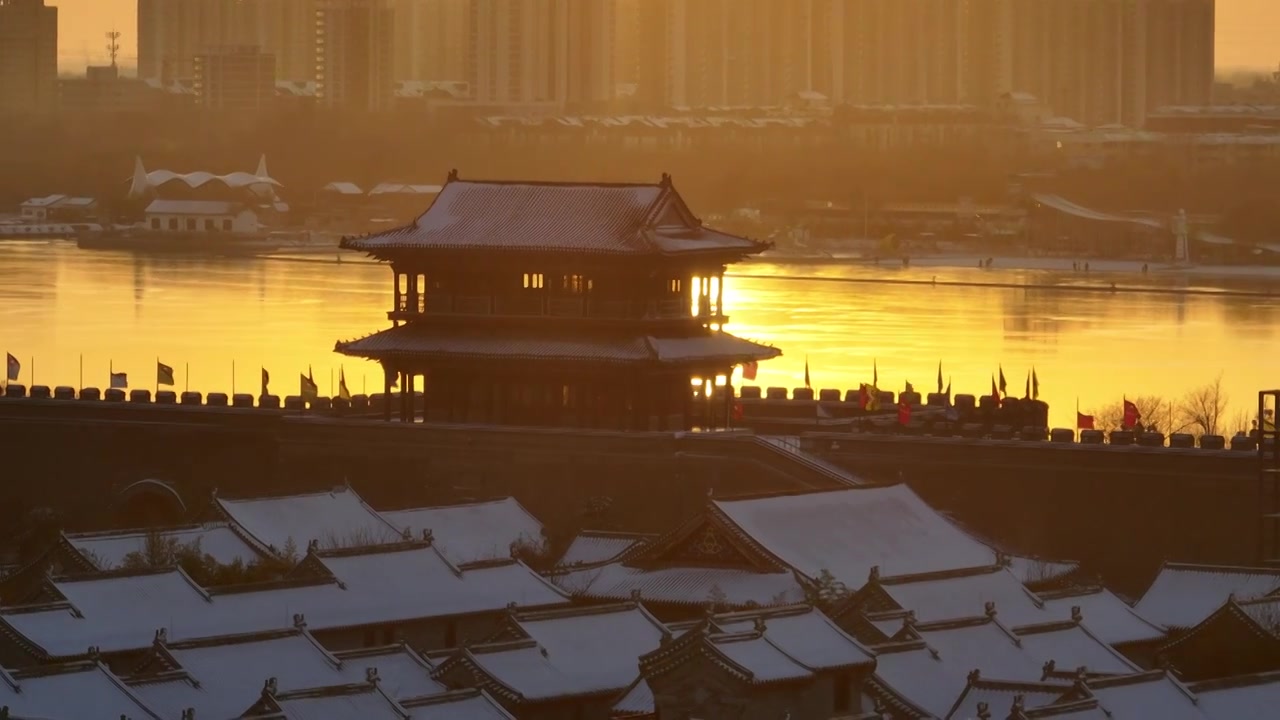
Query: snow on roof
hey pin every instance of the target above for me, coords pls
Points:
(1247, 696)
(636, 701)
(1070, 646)
(848, 532)
(405, 189)
(591, 548)
(336, 519)
(1104, 613)
(1147, 695)
(418, 582)
(1033, 570)
(984, 645)
(344, 188)
(107, 550)
(760, 658)
(457, 705)
(919, 676)
(1063, 205)
(999, 695)
(596, 649)
(78, 690)
(161, 206)
(1182, 594)
(402, 673)
(347, 702)
(966, 594)
(46, 201)
(235, 180)
(804, 633)
(690, 586)
(474, 531)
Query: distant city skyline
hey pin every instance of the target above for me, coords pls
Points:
(1245, 33)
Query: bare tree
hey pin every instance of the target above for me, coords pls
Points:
(1203, 408)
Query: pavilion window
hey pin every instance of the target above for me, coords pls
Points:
(534, 281)
(421, 282)
(402, 292)
(574, 284)
(675, 286)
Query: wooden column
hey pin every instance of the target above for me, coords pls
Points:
(720, 297)
(386, 393)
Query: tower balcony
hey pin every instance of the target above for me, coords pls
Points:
(674, 312)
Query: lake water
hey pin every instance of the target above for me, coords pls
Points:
(117, 310)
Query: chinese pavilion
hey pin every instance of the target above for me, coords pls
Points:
(558, 304)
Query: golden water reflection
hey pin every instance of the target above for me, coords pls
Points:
(123, 311)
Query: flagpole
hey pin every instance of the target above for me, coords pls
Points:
(233, 378)
(330, 382)
(186, 383)
(81, 371)
(157, 374)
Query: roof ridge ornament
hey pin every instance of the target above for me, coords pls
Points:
(1046, 670)
(453, 175)
(666, 180)
(1077, 615)
(990, 608)
(269, 687)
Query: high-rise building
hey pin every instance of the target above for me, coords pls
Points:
(355, 50)
(28, 56)
(542, 52)
(431, 39)
(171, 33)
(235, 78)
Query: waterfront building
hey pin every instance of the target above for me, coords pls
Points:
(28, 57)
(200, 216)
(354, 45)
(572, 304)
(235, 79)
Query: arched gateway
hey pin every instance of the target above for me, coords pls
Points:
(561, 304)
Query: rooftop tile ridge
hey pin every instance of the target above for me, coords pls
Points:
(501, 646)
(556, 183)
(617, 535)
(287, 583)
(102, 534)
(268, 498)
(932, 575)
(162, 676)
(897, 646)
(1110, 681)
(957, 623)
(392, 546)
(115, 574)
(1235, 681)
(1235, 569)
(451, 506)
(574, 611)
(359, 688)
(39, 607)
(486, 564)
(1041, 628)
(987, 683)
(441, 698)
(126, 689)
(1068, 707)
(790, 610)
(1071, 592)
(236, 639)
(62, 668)
(1269, 599)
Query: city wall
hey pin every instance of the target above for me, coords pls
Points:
(1119, 510)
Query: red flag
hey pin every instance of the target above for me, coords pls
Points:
(749, 370)
(1084, 422)
(1131, 415)
(737, 410)
(904, 412)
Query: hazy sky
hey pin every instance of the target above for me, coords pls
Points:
(1246, 31)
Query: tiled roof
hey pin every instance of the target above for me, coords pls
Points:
(471, 532)
(413, 339)
(605, 219)
(683, 585)
(1248, 696)
(345, 702)
(1183, 595)
(457, 705)
(193, 207)
(1147, 695)
(1031, 570)
(402, 673)
(77, 690)
(762, 660)
(848, 532)
(570, 653)
(999, 696)
(961, 594)
(1070, 646)
(107, 550)
(1104, 613)
(918, 676)
(335, 519)
(592, 548)
(803, 633)
(637, 701)
(228, 672)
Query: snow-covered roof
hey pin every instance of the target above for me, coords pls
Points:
(802, 632)
(684, 585)
(338, 518)
(1104, 613)
(1067, 207)
(343, 188)
(591, 548)
(235, 180)
(848, 532)
(75, 690)
(1070, 646)
(107, 550)
(919, 676)
(46, 201)
(457, 705)
(636, 701)
(999, 696)
(947, 596)
(228, 672)
(402, 673)
(1146, 695)
(365, 701)
(1247, 696)
(405, 189)
(570, 653)
(1036, 570)
(1182, 594)
(474, 531)
(761, 659)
